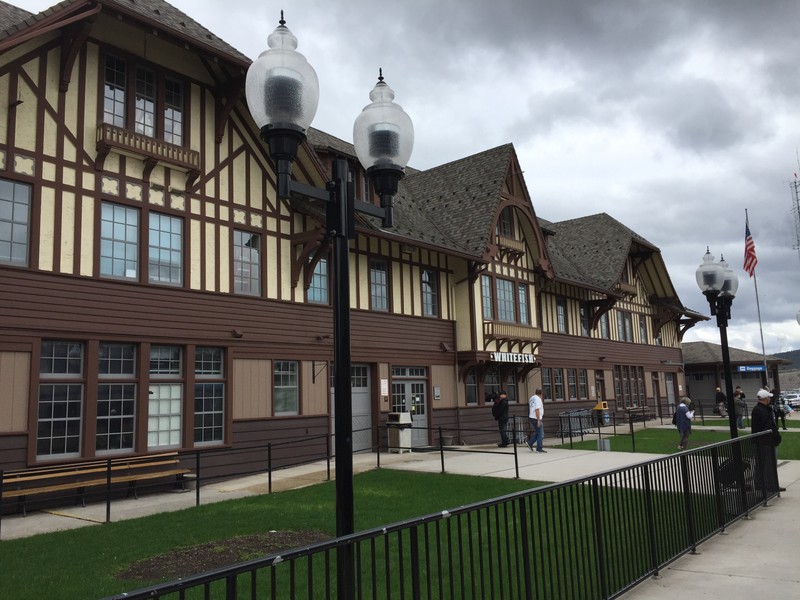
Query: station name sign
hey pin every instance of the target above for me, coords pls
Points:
(751, 368)
(513, 357)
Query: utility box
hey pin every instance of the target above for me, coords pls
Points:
(399, 426)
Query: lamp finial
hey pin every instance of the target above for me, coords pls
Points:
(282, 21)
(380, 73)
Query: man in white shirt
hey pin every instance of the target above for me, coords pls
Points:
(535, 415)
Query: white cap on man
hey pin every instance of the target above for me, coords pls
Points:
(763, 394)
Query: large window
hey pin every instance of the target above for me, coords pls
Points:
(246, 263)
(505, 223)
(116, 398)
(318, 290)
(379, 284)
(506, 307)
(286, 387)
(605, 332)
(60, 408)
(643, 338)
(547, 383)
(209, 396)
(152, 102)
(430, 293)
(629, 385)
(486, 297)
(572, 383)
(165, 264)
(561, 315)
(15, 207)
(584, 308)
(624, 326)
(558, 384)
(524, 310)
(471, 385)
(165, 406)
(119, 241)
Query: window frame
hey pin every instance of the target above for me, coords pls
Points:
(246, 271)
(16, 221)
(379, 292)
(109, 240)
(319, 286)
(429, 288)
(562, 317)
(168, 379)
(169, 117)
(71, 381)
(175, 274)
(506, 300)
(287, 381)
(209, 375)
(117, 394)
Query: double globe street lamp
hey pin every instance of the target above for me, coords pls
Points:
(719, 284)
(282, 91)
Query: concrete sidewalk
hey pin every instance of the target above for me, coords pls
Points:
(755, 557)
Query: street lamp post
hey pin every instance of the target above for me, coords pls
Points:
(719, 283)
(282, 92)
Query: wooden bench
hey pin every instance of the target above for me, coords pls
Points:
(633, 414)
(52, 479)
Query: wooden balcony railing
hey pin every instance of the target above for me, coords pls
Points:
(511, 331)
(151, 150)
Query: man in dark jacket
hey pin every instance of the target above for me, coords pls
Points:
(721, 401)
(500, 412)
(766, 446)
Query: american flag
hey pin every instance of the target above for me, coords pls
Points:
(750, 260)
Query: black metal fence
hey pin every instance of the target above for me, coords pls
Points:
(593, 537)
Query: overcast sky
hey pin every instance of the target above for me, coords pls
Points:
(673, 117)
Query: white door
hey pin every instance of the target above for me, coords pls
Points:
(361, 407)
(411, 397)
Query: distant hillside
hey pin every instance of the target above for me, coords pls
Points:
(793, 356)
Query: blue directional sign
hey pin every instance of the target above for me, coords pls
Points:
(750, 368)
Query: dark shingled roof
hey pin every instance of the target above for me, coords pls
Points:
(591, 250)
(166, 15)
(451, 206)
(699, 353)
(10, 16)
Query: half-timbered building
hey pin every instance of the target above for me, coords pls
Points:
(157, 295)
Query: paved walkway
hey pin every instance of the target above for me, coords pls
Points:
(755, 558)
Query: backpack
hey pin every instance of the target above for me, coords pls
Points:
(496, 409)
(675, 418)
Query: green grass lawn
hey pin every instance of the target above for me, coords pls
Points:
(83, 563)
(665, 441)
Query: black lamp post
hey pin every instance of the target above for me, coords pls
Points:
(719, 283)
(282, 95)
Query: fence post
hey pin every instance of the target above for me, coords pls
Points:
(526, 552)
(651, 523)
(108, 490)
(415, 558)
(633, 435)
(441, 448)
(2, 475)
(378, 452)
(516, 456)
(715, 470)
(569, 428)
(328, 456)
(269, 467)
(197, 478)
(598, 537)
(687, 502)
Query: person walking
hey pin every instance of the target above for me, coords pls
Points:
(721, 403)
(500, 412)
(683, 421)
(740, 405)
(779, 408)
(763, 419)
(535, 415)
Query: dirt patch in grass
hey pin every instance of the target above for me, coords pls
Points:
(184, 562)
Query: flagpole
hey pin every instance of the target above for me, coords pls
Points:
(758, 307)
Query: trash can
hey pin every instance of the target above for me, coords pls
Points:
(602, 417)
(399, 426)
